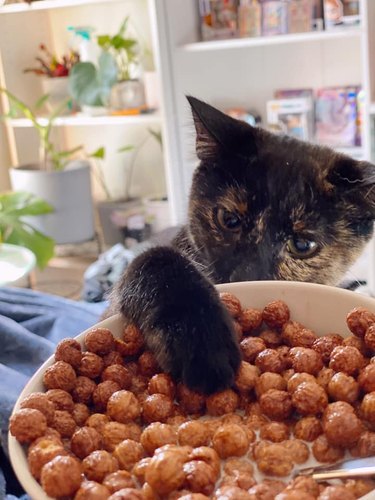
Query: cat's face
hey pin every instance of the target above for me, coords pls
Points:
(266, 207)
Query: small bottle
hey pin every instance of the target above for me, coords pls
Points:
(333, 13)
(249, 18)
(88, 50)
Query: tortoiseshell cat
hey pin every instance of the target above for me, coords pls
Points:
(262, 207)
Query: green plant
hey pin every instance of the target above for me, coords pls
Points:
(14, 207)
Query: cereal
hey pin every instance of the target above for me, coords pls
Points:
(199, 477)
(162, 383)
(308, 428)
(276, 404)
(98, 464)
(99, 341)
(246, 377)
(128, 453)
(306, 360)
(324, 452)
(61, 399)
(69, 350)
(92, 490)
(84, 441)
(115, 432)
(119, 374)
(343, 387)
(118, 480)
(42, 453)
(269, 380)
(358, 320)
(251, 347)
(222, 402)
(91, 365)
(366, 378)
(83, 390)
(230, 440)
(60, 375)
(309, 398)
(325, 345)
(64, 423)
(103, 392)
(123, 407)
(346, 359)
(61, 476)
(156, 435)
(157, 408)
(132, 341)
(39, 401)
(250, 319)
(193, 433)
(27, 424)
(165, 471)
(231, 303)
(269, 360)
(276, 314)
(274, 431)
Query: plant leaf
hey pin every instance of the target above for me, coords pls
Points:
(68, 152)
(99, 153)
(157, 135)
(107, 69)
(41, 101)
(17, 203)
(125, 149)
(83, 84)
(104, 41)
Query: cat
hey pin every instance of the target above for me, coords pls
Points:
(262, 207)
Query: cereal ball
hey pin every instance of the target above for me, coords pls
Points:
(84, 441)
(298, 450)
(309, 398)
(357, 343)
(138, 384)
(115, 432)
(157, 408)
(64, 423)
(123, 407)
(366, 378)
(276, 404)
(112, 358)
(267, 490)
(341, 425)
(249, 320)
(232, 304)
(222, 402)
(283, 352)
(308, 429)
(297, 379)
(360, 487)
(62, 400)
(246, 377)
(156, 435)
(368, 407)
(271, 338)
(255, 422)
(119, 480)
(83, 390)
(365, 446)
(305, 360)
(324, 377)
(97, 421)
(194, 433)
(343, 387)
(275, 460)
(69, 350)
(267, 381)
(251, 347)
(274, 431)
(127, 494)
(208, 455)
(99, 464)
(162, 383)
(128, 453)
(103, 392)
(91, 365)
(230, 440)
(231, 493)
(336, 492)
(358, 320)
(100, 341)
(346, 359)
(190, 401)
(139, 469)
(60, 375)
(61, 477)
(50, 434)
(289, 330)
(147, 364)
(294, 494)
(325, 345)
(306, 484)
(132, 341)
(269, 360)
(369, 338)
(234, 466)
(326, 453)
(199, 477)
(303, 338)
(118, 374)
(239, 479)
(39, 401)
(193, 496)
(42, 453)
(288, 374)
(80, 414)
(276, 314)
(165, 471)
(27, 424)
(91, 490)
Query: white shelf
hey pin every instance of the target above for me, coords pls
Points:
(235, 43)
(85, 120)
(48, 4)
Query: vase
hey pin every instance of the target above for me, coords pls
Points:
(57, 89)
(128, 94)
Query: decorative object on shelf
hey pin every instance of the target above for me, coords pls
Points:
(351, 7)
(292, 116)
(300, 16)
(224, 18)
(250, 18)
(274, 17)
(253, 118)
(333, 13)
(84, 44)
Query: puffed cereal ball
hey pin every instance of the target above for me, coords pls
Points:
(100, 341)
(356, 342)
(98, 464)
(324, 377)
(139, 469)
(147, 364)
(162, 383)
(127, 494)
(368, 407)
(366, 378)
(208, 455)
(123, 407)
(267, 490)
(222, 402)
(84, 441)
(343, 387)
(275, 460)
(42, 453)
(276, 314)
(346, 359)
(360, 487)
(118, 374)
(365, 446)
(61, 399)
(199, 477)
(276, 404)
(118, 480)
(306, 484)
(324, 345)
(157, 408)
(309, 398)
(289, 330)
(51, 435)
(132, 341)
(250, 319)
(115, 432)
(306, 360)
(60, 375)
(128, 453)
(231, 303)
(267, 381)
(91, 365)
(64, 423)
(156, 435)
(308, 429)
(27, 424)
(299, 451)
(274, 431)
(39, 401)
(193, 496)
(83, 390)
(165, 471)
(194, 433)
(358, 320)
(103, 392)
(139, 384)
(246, 377)
(269, 360)
(230, 440)
(80, 413)
(61, 477)
(336, 492)
(326, 453)
(303, 338)
(251, 347)
(271, 338)
(69, 350)
(91, 490)
(297, 379)
(370, 338)
(97, 421)
(191, 401)
(112, 358)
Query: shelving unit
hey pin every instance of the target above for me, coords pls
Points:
(48, 5)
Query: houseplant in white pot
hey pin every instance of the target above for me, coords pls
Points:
(63, 182)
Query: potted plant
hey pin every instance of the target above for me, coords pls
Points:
(59, 179)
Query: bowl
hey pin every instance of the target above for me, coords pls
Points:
(319, 307)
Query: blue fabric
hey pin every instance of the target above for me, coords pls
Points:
(31, 324)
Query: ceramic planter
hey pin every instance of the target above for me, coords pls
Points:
(57, 89)
(127, 95)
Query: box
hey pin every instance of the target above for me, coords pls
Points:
(291, 116)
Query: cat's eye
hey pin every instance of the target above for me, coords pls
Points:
(229, 220)
(301, 247)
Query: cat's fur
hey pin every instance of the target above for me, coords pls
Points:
(278, 196)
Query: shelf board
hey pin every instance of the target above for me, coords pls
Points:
(85, 120)
(48, 4)
(236, 43)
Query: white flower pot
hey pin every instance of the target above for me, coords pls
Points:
(127, 95)
(68, 191)
(57, 88)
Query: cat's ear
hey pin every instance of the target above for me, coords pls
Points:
(218, 133)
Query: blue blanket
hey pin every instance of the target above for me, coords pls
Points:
(31, 324)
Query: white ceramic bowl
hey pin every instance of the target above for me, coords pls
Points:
(319, 307)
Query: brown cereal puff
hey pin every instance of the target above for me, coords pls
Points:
(115, 432)
(324, 345)
(39, 401)
(123, 407)
(289, 330)
(236, 465)
(267, 490)
(27, 424)
(358, 320)
(298, 450)
(118, 480)
(249, 320)
(64, 423)
(118, 374)
(162, 383)
(230, 440)
(42, 453)
(246, 377)
(193, 496)
(139, 469)
(269, 360)
(346, 359)
(306, 360)
(69, 350)
(208, 455)
(80, 413)
(83, 390)
(274, 431)
(199, 477)
(61, 399)
(165, 471)
(60, 375)
(128, 453)
(258, 448)
(271, 338)
(194, 433)
(100, 341)
(231, 303)
(147, 364)
(326, 453)
(61, 477)
(267, 381)
(336, 492)
(127, 494)
(103, 392)
(306, 484)
(255, 422)
(360, 487)
(231, 493)
(112, 358)
(309, 398)
(97, 421)
(240, 479)
(308, 429)
(283, 352)
(251, 347)
(366, 378)
(99, 464)
(368, 407)
(91, 365)
(356, 342)
(156, 435)
(370, 338)
(132, 341)
(297, 379)
(288, 374)
(50, 434)
(276, 404)
(365, 446)
(276, 314)
(84, 441)
(275, 460)
(343, 387)
(222, 402)
(303, 338)
(139, 384)
(91, 490)
(324, 377)
(294, 494)
(157, 408)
